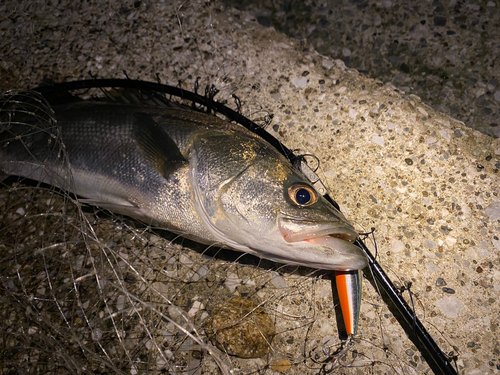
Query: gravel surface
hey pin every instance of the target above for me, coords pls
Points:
(85, 291)
(447, 53)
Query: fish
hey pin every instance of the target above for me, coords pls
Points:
(191, 173)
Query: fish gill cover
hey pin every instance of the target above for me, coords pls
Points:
(87, 291)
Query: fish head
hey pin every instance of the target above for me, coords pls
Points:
(256, 201)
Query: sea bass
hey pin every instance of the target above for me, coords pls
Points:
(191, 173)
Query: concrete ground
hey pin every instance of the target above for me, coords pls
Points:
(446, 53)
(425, 181)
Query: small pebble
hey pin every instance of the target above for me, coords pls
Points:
(299, 82)
(409, 161)
(430, 244)
(197, 354)
(440, 282)
(450, 306)
(493, 211)
(278, 281)
(432, 267)
(378, 140)
(448, 290)
(497, 96)
(398, 246)
(232, 281)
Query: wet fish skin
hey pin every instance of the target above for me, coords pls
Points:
(185, 171)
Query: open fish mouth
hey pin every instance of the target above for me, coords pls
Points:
(294, 230)
(337, 237)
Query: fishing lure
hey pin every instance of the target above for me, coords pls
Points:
(349, 290)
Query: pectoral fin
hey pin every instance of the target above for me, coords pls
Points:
(157, 146)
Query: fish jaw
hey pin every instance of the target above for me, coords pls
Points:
(336, 238)
(294, 230)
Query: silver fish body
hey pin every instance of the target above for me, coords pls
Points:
(185, 171)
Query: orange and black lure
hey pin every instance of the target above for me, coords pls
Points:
(349, 292)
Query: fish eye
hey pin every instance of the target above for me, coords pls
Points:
(302, 195)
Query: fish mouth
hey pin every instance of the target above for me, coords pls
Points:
(338, 238)
(294, 230)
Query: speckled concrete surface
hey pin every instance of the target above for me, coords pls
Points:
(446, 52)
(427, 183)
